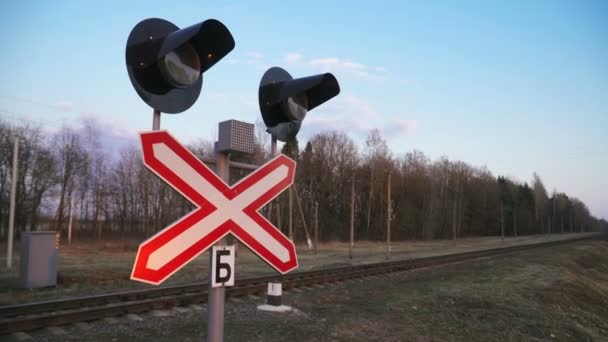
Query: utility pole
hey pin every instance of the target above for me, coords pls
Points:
(515, 221)
(71, 218)
(369, 202)
(502, 222)
(454, 222)
(11, 214)
(352, 216)
(316, 226)
(554, 215)
(388, 217)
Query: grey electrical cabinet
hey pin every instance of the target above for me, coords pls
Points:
(39, 259)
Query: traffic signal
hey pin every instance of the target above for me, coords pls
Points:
(166, 64)
(284, 101)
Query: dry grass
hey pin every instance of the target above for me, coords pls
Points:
(88, 268)
(552, 294)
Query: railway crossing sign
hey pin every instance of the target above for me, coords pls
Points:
(220, 209)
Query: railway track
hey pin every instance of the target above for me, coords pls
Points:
(32, 316)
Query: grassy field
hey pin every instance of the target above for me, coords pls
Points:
(88, 268)
(553, 294)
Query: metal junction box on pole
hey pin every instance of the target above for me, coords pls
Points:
(39, 259)
(235, 136)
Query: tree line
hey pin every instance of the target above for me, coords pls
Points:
(68, 178)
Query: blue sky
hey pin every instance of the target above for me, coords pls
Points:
(518, 86)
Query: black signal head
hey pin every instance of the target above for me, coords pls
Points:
(166, 64)
(285, 101)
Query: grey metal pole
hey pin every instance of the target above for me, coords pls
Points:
(280, 224)
(156, 120)
(388, 217)
(290, 214)
(273, 153)
(273, 148)
(71, 218)
(215, 307)
(352, 216)
(11, 214)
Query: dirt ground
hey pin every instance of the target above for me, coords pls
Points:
(556, 293)
(88, 268)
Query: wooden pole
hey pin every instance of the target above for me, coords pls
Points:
(388, 217)
(502, 222)
(308, 241)
(316, 226)
(454, 221)
(369, 202)
(11, 213)
(71, 219)
(352, 216)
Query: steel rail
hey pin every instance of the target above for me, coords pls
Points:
(31, 316)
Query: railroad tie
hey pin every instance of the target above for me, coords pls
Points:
(83, 325)
(134, 317)
(57, 331)
(21, 336)
(181, 309)
(111, 320)
(160, 313)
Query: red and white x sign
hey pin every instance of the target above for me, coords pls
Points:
(221, 209)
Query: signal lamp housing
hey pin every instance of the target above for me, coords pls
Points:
(166, 64)
(285, 101)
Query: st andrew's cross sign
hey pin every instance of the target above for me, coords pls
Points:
(220, 209)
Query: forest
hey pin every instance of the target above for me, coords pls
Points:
(67, 178)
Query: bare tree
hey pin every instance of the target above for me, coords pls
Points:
(72, 161)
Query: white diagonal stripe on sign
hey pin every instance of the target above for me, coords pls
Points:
(227, 209)
(183, 170)
(248, 224)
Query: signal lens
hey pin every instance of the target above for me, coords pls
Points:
(297, 106)
(182, 66)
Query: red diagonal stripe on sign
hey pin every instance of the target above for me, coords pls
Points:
(221, 209)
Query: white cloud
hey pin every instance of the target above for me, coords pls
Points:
(400, 127)
(335, 64)
(355, 116)
(365, 75)
(293, 57)
(112, 136)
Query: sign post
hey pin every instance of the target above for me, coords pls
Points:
(217, 294)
